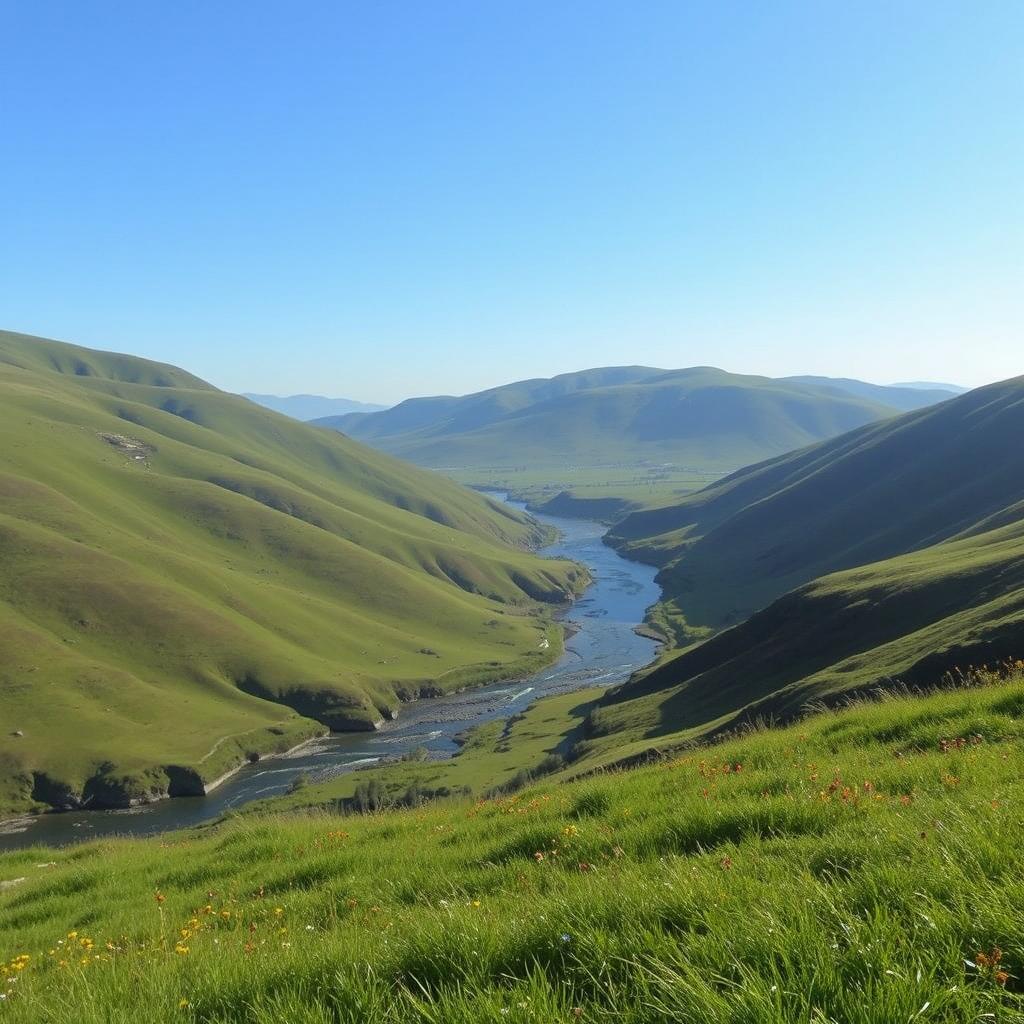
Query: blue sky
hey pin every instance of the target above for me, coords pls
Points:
(388, 199)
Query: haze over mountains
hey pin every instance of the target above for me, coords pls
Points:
(702, 418)
(311, 407)
(187, 579)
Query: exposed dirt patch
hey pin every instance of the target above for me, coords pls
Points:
(130, 447)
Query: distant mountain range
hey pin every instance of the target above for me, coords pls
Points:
(924, 385)
(904, 397)
(311, 407)
(700, 417)
(893, 552)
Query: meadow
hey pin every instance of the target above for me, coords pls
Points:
(861, 865)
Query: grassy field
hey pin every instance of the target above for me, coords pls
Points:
(620, 438)
(863, 865)
(188, 580)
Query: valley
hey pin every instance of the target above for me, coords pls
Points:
(603, 442)
(173, 553)
(602, 649)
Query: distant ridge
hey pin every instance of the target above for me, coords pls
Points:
(311, 407)
(924, 385)
(703, 418)
(905, 397)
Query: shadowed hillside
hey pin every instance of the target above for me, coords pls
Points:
(924, 515)
(883, 490)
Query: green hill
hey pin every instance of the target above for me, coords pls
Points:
(892, 554)
(880, 491)
(187, 580)
(862, 866)
(632, 432)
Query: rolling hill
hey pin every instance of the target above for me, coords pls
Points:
(882, 490)
(311, 407)
(187, 580)
(617, 432)
(893, 553)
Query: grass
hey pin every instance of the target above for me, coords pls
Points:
(188, 580)
(621, 437)
(863, 865)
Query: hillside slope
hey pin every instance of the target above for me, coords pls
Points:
(906, 620)
(187, 579)
(923, 515)
(880, 491)
(701, 420)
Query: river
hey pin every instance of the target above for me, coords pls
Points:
(603, 650)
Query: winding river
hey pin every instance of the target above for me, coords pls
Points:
(603, 650)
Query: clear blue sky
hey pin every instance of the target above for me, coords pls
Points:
(383, 199)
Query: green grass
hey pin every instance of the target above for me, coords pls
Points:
(849, 868)
(638, 435)
(187, 579)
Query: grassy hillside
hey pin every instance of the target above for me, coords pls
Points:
(927, 511)
(860, 866)
(628, 432)
(907, 620)
(874, 493)
(187, 580)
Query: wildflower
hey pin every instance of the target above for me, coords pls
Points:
(566, 937)
(158, 896)
(182, 1004)
(538, 856)
(181, 950)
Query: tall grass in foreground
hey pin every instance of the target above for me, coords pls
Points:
(862, 866)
